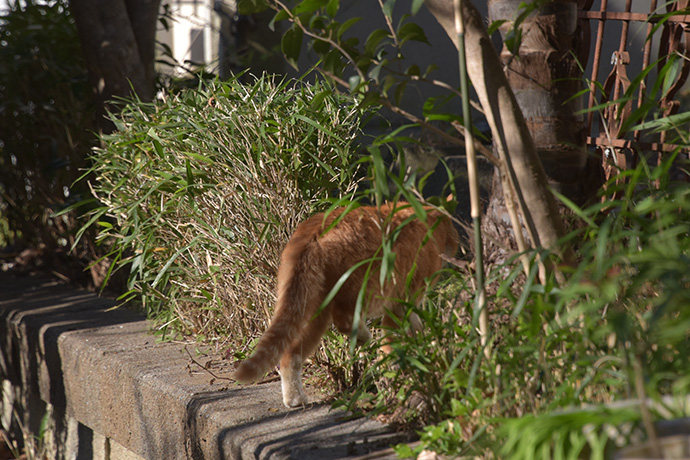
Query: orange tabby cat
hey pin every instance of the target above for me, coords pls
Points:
(312, 263)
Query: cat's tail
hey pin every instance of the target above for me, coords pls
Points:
(300, 277)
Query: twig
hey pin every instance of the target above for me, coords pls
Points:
(413, 118)
(390, 25)
(442, 84)
(217, 377)
(269, 379)
(481, 148)
(328, 40)
(509, 199)
(385, 102)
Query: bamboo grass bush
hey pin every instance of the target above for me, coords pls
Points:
(200, 191)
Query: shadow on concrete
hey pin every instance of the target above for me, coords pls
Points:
(311, 434)
(257, 426)
(34, 313)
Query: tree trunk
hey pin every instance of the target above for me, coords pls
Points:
(544, 78)
(118, 42)
(511, 136)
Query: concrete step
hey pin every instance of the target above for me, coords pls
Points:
(111, 391)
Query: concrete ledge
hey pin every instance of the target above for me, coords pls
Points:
(112, 392)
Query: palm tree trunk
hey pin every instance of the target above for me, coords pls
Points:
(511, 136)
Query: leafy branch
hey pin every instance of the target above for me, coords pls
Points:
(376, 80)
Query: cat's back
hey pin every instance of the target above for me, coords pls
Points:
(348, 235)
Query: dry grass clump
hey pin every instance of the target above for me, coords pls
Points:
(200, 192)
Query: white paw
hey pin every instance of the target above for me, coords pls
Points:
(294, 400)
(291, 383)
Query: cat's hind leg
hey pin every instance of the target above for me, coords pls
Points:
(292, 360)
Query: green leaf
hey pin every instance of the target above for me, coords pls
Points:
(281, 15)
(319, 98)
(447, 117)
(188, 170)
(411, 31)
(251, 6)
(371, 98)
(375, 72)
(164, 270)
(387, 263)
(575, 209)
(418, 364)
(198, 157)
(374, 39)
(321, 47)
(333, 62)
(665, 123)
(319, 22)
(404, 451)
(354, 82)
(416, 5)
(495, 25)
(346, 25)
(309, 6)
(513, 40)
(380, 182)
(413, 70)
(430, 69)
(671, 70)
(321, 128)
(399, 92)
(332, 8)
(339, 284)
(388, 8)
(388, 82)
(291, 45)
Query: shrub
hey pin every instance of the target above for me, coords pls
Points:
(569, 362)
(45, 120)
(625, 312)
(201, 190)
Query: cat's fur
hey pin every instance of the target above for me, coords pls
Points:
(314, 260)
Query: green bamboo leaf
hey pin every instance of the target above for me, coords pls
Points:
(526, 290)
(199, 157)
(387, 263)
(164, 270)
(319, 99)
(664, 124)
(188, 171)
(418, 364)
(339, 284)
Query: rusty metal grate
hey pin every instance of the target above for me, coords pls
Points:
(672, 35)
